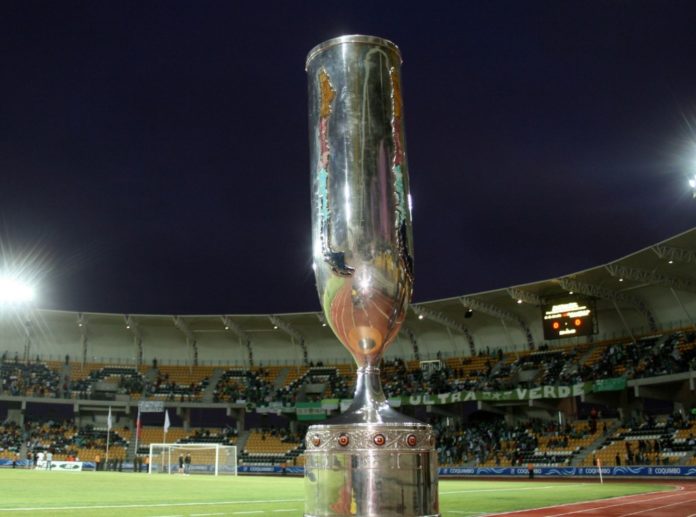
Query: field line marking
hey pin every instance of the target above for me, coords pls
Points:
(657, 507)
(624, 503)
(562, 505)
(153, 505)
(545, 487)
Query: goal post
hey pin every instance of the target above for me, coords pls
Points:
(205, 458)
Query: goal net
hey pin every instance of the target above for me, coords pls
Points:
(430, 367)
(192, 458)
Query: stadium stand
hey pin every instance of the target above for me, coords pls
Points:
(271, 447)
(638, 368)
(664, 440)
(251, 386)
(28, 379)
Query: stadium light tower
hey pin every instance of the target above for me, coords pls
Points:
(692, 184)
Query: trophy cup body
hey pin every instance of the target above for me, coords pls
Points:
(370, 461)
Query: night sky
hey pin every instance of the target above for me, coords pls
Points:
(154, 155)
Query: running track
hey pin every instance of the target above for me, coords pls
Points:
(681, 502)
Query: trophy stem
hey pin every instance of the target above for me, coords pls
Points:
(369, 405)
(369, 397)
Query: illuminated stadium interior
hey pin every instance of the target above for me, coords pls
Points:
(478, 367)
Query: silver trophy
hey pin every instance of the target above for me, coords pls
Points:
(371, 460)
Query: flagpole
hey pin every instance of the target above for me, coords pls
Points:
(137, 432)
(107, 448)
(108, 433)
(164, 439)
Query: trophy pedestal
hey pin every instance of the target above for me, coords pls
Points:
(371, 461)
(371, 470)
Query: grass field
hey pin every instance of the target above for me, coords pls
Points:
(28, 492)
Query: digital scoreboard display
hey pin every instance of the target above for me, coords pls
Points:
(568, 318)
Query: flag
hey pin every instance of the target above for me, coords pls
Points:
(108, 420)
(166, 420)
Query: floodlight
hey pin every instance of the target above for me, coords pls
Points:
(14, 291)
(692, 182)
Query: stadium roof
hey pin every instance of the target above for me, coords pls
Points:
(642, 293)
(628, 284)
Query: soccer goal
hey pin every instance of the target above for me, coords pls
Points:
(205, 458)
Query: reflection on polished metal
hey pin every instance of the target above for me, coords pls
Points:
(370, 461)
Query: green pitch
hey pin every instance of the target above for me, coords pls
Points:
(37, 493)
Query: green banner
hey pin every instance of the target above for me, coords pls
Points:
(541, 392)
(330, 404)
(310, 411)
(613, 384)
(318, 410)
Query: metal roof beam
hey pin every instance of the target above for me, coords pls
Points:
(571, 284)
(446, 322)
(286, 327)
(412, 339)
(651, 277)
(82, 323)
(487, 308)
(184, 328)
(676, 254)
(437, 317)
(497, 312)
(234, 327)
(133, 326)
(190, 338)
(525, 296)
(294, 334)
(243, 336)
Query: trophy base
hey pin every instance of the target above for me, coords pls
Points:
(371, 470)
(309, 515)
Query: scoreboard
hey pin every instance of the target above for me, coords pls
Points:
(568, 318)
